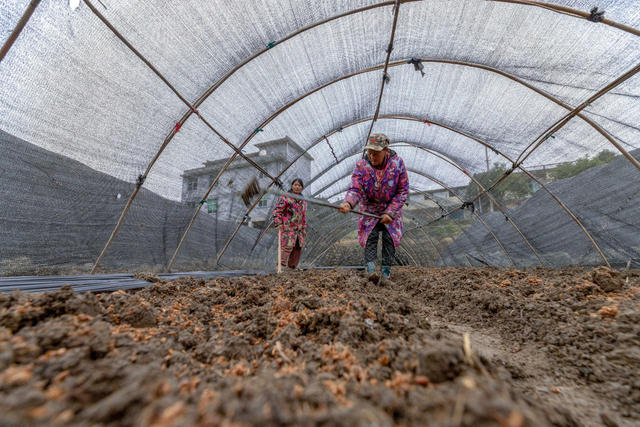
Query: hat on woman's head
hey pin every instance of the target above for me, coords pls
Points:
(377, 142)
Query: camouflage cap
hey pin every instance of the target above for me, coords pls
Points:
(377, 142)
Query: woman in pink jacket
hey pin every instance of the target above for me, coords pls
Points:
(380, 185)
(290, 216)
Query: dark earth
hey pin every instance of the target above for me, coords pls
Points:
(431, 346)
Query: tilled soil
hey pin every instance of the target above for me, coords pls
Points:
(458, 346)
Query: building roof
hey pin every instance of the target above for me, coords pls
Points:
(215, 165)
(287, 140)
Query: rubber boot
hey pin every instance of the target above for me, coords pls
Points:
(386, 271)
(370, 267)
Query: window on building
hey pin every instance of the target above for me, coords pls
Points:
(263, 203)
(192, 184)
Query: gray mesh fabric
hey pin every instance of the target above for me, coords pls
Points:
(83, 117)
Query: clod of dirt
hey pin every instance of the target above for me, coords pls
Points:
(607, 279)
(608, 311)
(607, 421)
(19, 309)
(148, 277)
(441, 364)
(131, 309)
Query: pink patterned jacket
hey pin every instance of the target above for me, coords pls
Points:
(291, 214)
(384, 196)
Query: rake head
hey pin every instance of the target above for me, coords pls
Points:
(252, 189)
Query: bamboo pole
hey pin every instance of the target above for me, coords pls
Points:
(571, 12)
(475, 181)
(500, 153)
(6, 46)
(396, 10)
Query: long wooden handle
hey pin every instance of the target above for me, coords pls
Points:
(279, 269)
(321, 203)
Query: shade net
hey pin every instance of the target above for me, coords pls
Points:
(103, 155)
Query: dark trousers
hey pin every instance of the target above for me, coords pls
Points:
(290, 256)
(371, 249)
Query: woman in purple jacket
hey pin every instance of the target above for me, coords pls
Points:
(380, 184)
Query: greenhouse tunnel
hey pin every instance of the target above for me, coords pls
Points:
(145, 147)
(128, 145)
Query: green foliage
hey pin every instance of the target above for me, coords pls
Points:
(515, 187)
(569, 169)
(448, 228)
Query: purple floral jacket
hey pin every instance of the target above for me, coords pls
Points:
(291, 214)
(384, 196)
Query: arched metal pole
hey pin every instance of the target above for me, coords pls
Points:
(475, 181)
(462, 230)
(341, 226)
(199, 101)
(340, 229)
(555, 100)
(554, 128)
(6, 46)
(413, 243)
(142, 178)
(394, 64)
(332, 217)
(396, 9)
(208, 92)
(500, 153)
(571, 12)
(418, 223)
(332, 240)
(396, 117)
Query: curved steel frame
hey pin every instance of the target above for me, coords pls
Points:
(525, 171)
(422, 228)
(419, 224)
(511, 77)
(418, 221)
(517, 164)
(6, 46)
(571, 12)
(328, 236)
(396, 9)
(462, 230)
(476, 140)
(205, 95)
(475, 181)
(334, 215)
(537, 142)
(193, 109)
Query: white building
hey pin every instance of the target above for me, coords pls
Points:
(224, 200)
